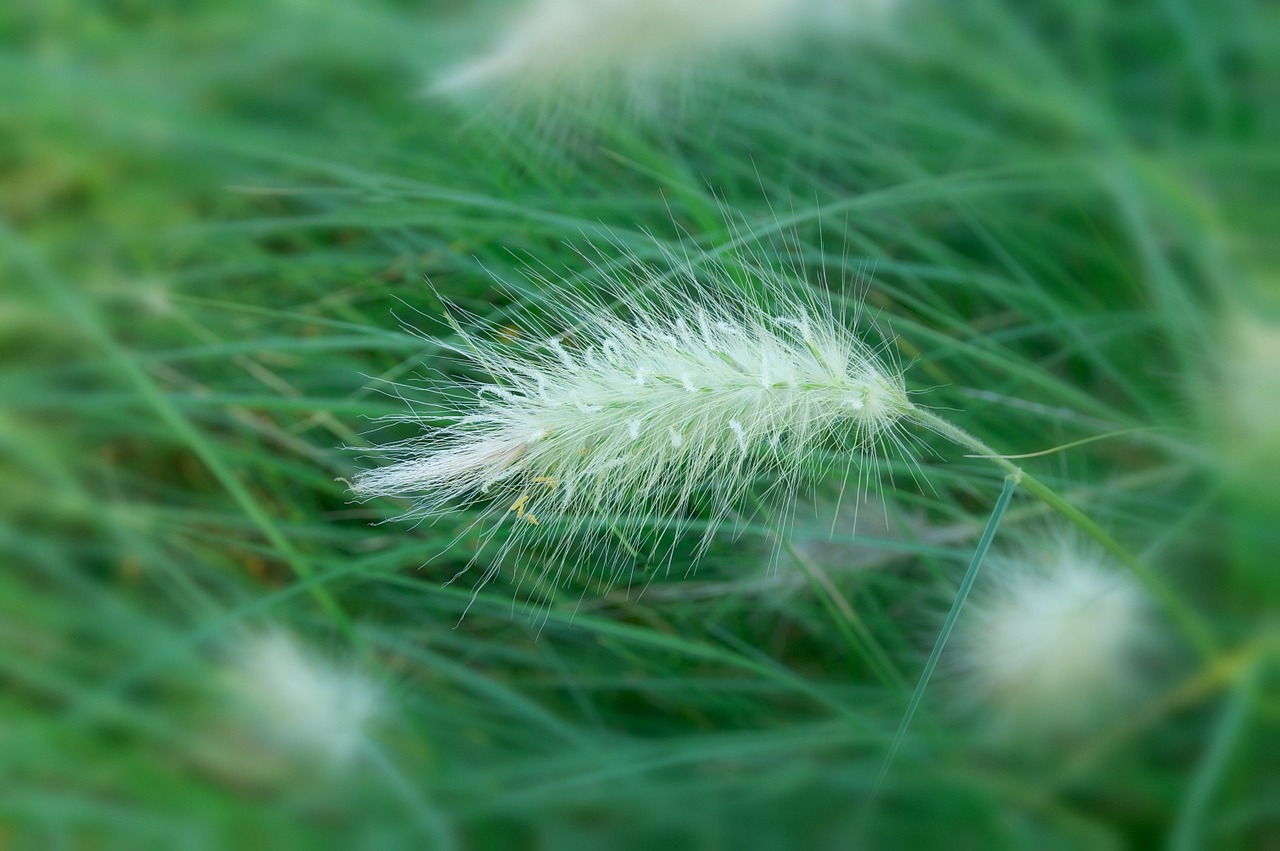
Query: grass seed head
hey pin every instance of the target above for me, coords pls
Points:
(1055, 637)
(587, 50)
(300, 701)
(623, 417)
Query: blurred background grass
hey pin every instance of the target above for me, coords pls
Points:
(216, 217)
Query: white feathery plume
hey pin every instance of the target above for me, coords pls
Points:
(621, 418)
(559, 48)
(1055, 635)
(302, 702)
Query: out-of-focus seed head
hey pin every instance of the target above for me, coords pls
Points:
(1054, 637)
(557, 52)
(300, 701)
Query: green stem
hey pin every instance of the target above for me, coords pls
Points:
(966, 585)
(1193, 628)
(430, 819)
(848, 624)
(1189, 829)
(856, 636)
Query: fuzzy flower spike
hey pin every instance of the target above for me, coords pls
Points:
(301, 701)
(587, 50)
(628, 416)
(1054, 640)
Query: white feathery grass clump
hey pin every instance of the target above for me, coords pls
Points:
(619, 419)
(1056, 636)
(574, 48)
(300, 701)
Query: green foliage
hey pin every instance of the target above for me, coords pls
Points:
(219, 218)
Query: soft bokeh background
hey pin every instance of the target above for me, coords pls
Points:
(218, 217)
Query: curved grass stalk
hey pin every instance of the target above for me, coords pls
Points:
(966, 585)
(1191, 625)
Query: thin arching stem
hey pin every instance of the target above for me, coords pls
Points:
(966, 585)
(1191, 625)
